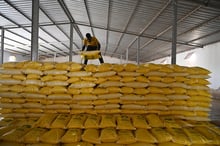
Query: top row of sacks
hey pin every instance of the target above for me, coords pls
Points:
(73, 66)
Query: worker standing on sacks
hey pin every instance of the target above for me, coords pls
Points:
(91, 43)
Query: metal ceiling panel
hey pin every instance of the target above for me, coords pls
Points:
(120, 11)
(53, 10)
(11, 13)
(116, 23)
(78, 10)
(98, 12)
(5, 22)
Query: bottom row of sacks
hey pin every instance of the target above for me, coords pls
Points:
(103, 144)
(32, 132)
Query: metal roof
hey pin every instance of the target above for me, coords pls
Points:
(118, 24)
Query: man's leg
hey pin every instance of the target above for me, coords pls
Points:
(101, 60)
(85, 61)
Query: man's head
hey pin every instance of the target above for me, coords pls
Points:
(88, 35)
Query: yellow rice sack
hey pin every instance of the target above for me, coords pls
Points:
(74, 91)
(79, 73)
(104, 74)
(33, 82)
(110, 96)
(209, 134)
(108, 135)
(107, 121)
(75, 67)
(109, 144)
(9, 64)
(141, 144)
(62, 65)
(78, 144)
(128, 79)
(128, 74)
(90, 54)
(91, 68)
(114, 78)
(52, 136)
(55, 72)
(32, 64)
(169, 144)
(10, 81)
(11, 71)
(127, 90)
(178, 136)
(84, 97)
(33, 135)
(117, 67)
(141, 91)
(99, 91)
(170, 122)
(113, 89)
(19, 77)
(45, 121)
(59, 96)
(72, 136)
(7, 143)
(195, 136)
(125, 137)
(143, 135)
(124, 122)
(77, 121)
(104, 67)
(136, 84)
(47, 66)
(142, 79)
(82, 84)
(92, 121)
(91, 136)
(110, 84)
(130, 67)
(161, 135)
(86, 90)
(61, 121)
(139, 121)
(16, 134)
(31, 89)
(154, 120)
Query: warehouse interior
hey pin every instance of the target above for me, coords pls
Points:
(149, 91)
(119, 26)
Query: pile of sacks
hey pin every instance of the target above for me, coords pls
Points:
(30, 89)
(107, 130)
(69, 104)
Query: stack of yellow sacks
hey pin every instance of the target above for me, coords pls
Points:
(30, 89)
(48, 103)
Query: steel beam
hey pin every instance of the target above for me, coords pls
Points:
(35, 30)
(71, 43)
(138, 50)
(2, 46)
(89, 17)
(174, 32)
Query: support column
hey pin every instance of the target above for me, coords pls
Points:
(138, 50)
(71, 43)
(174, 32)
(2, 46)
(127, 56)
(35, 30)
